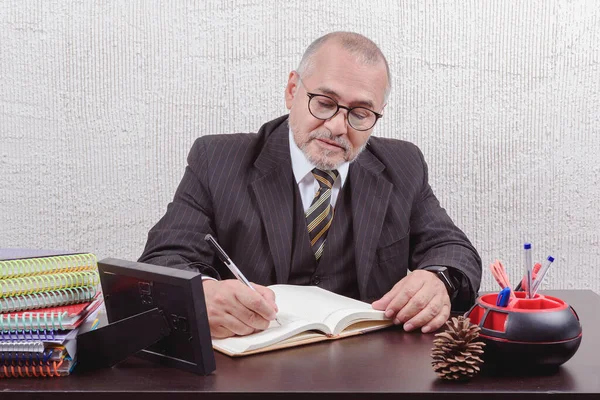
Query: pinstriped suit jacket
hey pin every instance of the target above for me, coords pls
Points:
(239, 188)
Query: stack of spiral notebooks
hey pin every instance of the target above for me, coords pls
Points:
(46, 298)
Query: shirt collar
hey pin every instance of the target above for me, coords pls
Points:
(302, 167)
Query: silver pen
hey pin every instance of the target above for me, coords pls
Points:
(230, 264)
(540, 276)
(528, 266)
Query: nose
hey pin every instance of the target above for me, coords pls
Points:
(337, 124)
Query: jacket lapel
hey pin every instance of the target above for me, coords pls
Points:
(274, 192)
(370, 198)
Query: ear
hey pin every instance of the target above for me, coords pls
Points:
(382, 109)
(291, 89)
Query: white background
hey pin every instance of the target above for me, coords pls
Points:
(100, 102)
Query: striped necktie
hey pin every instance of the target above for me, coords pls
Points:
(320, 213)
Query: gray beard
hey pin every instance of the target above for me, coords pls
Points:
(321, 161)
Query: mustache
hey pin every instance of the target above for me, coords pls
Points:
(326, 134)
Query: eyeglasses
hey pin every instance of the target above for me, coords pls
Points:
(324, 107)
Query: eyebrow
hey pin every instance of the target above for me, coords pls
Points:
(359, 103)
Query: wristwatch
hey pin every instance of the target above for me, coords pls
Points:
(444, 275)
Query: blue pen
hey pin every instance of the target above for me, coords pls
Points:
(541, 274)
(503, 297)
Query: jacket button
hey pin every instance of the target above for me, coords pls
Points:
(316, 280)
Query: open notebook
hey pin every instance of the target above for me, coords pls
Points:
(307, 314)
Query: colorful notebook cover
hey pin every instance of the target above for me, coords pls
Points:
(70, 311)
(49, 319)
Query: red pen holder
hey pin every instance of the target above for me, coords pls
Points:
(543, 331)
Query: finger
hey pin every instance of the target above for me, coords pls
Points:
(409, 291)
(427, 313)
(232, 323)
(415, 304)
(387, 298)
(254, 301)
(268, 295)
(220, 332)
(248, 317)
(438, 321)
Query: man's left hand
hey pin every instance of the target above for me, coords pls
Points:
(419, 300)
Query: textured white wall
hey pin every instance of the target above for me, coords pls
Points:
(100, 102)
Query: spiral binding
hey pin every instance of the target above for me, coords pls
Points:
(47, 265)
(41, 283)
(27, 334)
(27, 353)
(54, 298)
(50, 369)
(28, 358)
(32, 321)
(24, 353)
(21, 346)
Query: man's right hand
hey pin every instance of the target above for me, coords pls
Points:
(235, 309)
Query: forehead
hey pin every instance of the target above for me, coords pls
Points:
(337, 72)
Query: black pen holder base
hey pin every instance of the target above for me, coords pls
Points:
(540, 332)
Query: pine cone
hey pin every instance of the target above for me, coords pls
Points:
(455, 353)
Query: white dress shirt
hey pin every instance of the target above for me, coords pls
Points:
(307, 183)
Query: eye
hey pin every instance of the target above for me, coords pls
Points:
(324, 103)
(360, 113)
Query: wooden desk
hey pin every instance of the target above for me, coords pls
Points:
(387, 364)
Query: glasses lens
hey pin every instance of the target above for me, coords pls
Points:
(362, 119)
(322, 107)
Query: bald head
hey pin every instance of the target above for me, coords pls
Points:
(361, 47)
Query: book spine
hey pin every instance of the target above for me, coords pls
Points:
(32, 322)
(50, 369)
(44, 283)
(47, 265)
(53, 298)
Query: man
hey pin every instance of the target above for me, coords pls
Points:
(313, 199)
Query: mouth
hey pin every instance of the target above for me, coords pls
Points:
(330, 145)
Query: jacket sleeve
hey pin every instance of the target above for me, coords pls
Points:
(177, 240)
(436, 240)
